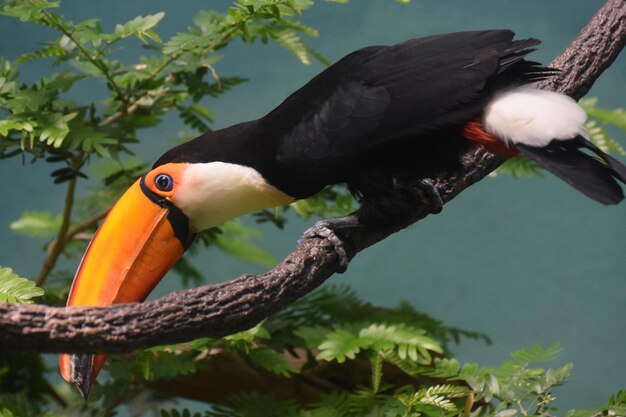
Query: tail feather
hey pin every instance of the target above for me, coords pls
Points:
(525, 71)
(593, 177)
(618, 168)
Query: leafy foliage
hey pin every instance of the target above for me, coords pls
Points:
(176, 75)
(37, 224)
(329, 328)
(520, 166)
(15, 289)
(434, 385)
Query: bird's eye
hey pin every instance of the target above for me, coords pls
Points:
(164, 182)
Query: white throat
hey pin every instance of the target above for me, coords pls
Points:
(214, 192)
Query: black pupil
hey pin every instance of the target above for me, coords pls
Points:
(164, 182)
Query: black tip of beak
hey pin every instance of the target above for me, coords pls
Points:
(81, 372)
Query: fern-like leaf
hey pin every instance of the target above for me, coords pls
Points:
(411, 343)
(258, 405)
(273, 361)
(17, 290)
(196, 116)
(37, 224)
(48, 51)
(376, 360)
(175, 413)
(449, 390)
(290, 40)
(14, 405)
(438, 401)
(520, 166)
(600, 137)
(536, 353)
(615, 117)
(339, 345)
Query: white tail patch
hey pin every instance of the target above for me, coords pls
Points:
(533, 117)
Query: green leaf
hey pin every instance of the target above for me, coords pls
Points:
(27, 99)
(235, 240)
(410, 343)
(312, 336)
(376, 362)
(57, 129)
(600, 137)
(290, 40)
(176, 413)
(520, 166)
(332, 201)
(536, 353)
(197, 116)
(273, 361)
(140, 27)
(615, 117)
(16, 124)
(259, 405)
(155, 364)
(6, 86)
(509, 412)
(48, 51)
(37, 224)
(558, 376)
(244, 340)
(27, 10)
(89, 138)
(340, 345)
(15, 289)
(438, 401)
(89, 30)
(189, 42)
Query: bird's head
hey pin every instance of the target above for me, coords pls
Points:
(149, 229)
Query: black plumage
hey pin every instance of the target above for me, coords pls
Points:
(568, 161)
(379, 114)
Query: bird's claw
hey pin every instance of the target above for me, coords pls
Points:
(326, 229)
(428, 188)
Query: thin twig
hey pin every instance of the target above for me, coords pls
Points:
(97, 63)
(86, 224)
(56, 247)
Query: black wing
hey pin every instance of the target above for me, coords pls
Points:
(379, 94)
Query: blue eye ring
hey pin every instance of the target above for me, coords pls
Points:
(164, 182)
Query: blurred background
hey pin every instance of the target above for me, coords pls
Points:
(525, 261)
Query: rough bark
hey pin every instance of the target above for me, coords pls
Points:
(217, 310)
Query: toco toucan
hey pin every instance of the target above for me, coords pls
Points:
(379, 116)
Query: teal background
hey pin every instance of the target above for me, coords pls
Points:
(525, 261)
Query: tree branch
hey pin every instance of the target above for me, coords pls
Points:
(217, 310)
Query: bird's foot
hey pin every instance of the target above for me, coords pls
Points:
(326, 229)
(426, 187)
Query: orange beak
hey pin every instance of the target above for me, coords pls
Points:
(140, 240)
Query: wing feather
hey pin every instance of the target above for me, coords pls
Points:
(380, 94)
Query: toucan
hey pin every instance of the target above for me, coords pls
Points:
(378, 119)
